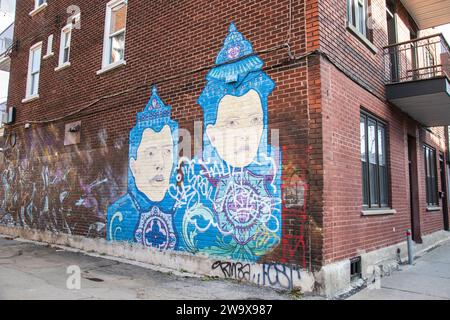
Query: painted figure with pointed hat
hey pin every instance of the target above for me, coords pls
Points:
(235, 209)
(144, 214)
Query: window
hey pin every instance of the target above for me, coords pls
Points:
(392, 39)
(374, 162)
(357, 15)
(359, 22)
(114, 39)
(64, 48)
(49, 52)
(431, 176)
(39, 5)
(34, 66)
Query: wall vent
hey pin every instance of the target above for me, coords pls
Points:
(355, 269)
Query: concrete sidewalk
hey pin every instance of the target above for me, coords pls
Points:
(33, 271)
(30, 270)
(427, 279)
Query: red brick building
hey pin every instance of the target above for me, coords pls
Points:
(360, 107)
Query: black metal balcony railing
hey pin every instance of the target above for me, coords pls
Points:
(6, 40)
(418, 59)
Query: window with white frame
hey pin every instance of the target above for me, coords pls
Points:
(114, 38)
(357, 13)
(64, 47)
(34, 69)
(39, 5)
(49, 46)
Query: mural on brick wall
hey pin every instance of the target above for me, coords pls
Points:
(145, 213)
(225, 202)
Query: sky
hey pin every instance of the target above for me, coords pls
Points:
(446, 31)
(6, 17)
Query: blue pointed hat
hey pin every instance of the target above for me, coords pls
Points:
(236, 59)
(156, 114)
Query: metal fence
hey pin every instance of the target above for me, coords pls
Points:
(418, 59)
(6, 40)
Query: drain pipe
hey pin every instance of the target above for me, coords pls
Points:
(410, 246)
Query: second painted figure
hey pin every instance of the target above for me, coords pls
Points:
(225, 202)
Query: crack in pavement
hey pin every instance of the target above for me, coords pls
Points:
(114, 263)
(428, 275)
(17, 254)
(414, 292)
(437, 261)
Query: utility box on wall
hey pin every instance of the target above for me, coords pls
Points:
(72, 133)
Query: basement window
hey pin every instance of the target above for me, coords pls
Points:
(355, 269)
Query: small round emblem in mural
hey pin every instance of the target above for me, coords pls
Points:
(155, 230)
(233, 52)
(155, 104)
(241, 207)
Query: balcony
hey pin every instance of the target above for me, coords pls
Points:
(418, 79)
(6, 42)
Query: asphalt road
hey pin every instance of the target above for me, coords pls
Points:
(33, 271)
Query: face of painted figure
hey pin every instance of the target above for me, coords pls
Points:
(153, 165)
(237, 132)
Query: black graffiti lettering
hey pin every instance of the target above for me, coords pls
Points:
(280, 275)
(272, 274)
(233, 270)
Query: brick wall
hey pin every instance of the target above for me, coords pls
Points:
(69, 188)
(352, 79)
(346, 231)
(315, 106)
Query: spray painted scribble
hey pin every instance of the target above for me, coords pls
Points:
(267, 274)
(294, 190)
(49, 191)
